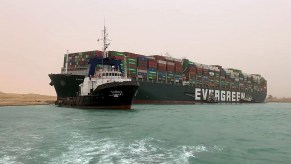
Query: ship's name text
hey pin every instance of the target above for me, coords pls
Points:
(220, 95)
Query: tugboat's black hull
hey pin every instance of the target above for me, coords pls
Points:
(116, 95)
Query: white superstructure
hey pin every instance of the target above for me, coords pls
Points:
(101, 77)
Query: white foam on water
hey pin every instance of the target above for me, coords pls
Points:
(9, 160)
(217, 148)
(147, 150)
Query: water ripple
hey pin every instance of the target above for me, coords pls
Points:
(148, 150)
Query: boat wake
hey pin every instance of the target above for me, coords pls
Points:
(147, 150)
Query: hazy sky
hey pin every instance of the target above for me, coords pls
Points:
(251, 35)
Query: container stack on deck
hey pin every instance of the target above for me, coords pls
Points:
(79, 61)
(152, 68)
(164, 69)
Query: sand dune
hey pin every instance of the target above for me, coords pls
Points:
(11, 99)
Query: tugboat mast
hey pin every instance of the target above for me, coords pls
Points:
(105, 42)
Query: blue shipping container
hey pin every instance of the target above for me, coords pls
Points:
(142, 58)
(152, 69)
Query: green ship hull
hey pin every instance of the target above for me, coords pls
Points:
(67, 85)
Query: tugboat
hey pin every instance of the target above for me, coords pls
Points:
(105, 89)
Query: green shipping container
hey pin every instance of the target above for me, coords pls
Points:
(130, 62)
(114, 53)
(132, 59)
(152, 72)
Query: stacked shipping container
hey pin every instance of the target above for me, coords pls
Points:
(171, 70)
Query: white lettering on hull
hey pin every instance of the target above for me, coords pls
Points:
(238, 96)
(228, 97)
(233, 96)
(242, 95)
(217, 93)
(204, 93)
(198, 94)
(220, 95)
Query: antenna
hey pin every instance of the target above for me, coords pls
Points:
(105, 41)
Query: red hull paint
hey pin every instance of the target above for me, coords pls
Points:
(124, 107)
(161, 102)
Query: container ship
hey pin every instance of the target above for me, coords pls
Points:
(165, 80)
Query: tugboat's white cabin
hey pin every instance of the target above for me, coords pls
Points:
(101, 77)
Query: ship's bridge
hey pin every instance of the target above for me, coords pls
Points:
(109, 74)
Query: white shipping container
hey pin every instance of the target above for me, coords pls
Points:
(211, 68)
(205, 66)
(162, 62)
(151, 57)
(216, 69)
(211, 73)
(178, 60)
(169, 58)
(170, 63)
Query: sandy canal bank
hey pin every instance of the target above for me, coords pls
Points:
(12, 99)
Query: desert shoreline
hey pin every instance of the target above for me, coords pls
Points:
(12, 99)
(24, 103)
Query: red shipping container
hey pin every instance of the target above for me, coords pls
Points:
(96, 53)
(191, 69)
(131, 55)
(142, 63)
(118, 57)
(201, 69)
(162, 65)
(142, 68)
(162, 69)
(159, 57)
(153, 65)
(170, 67)
(193, 72)
(179, 67)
